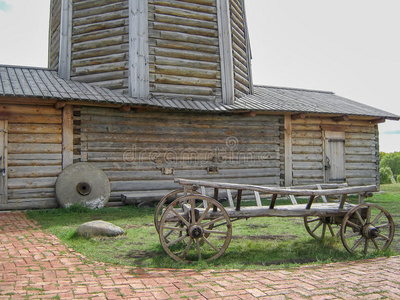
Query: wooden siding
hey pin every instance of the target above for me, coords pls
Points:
(100, 43)
(54, 34)
(183, 49)
(361, 151)
(34, 155)
(139, 150)
(240, 48)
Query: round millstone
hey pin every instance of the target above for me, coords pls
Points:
(83, 183)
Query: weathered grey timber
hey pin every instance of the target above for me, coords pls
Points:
(150, 90)
(167, 49)
(197, 227)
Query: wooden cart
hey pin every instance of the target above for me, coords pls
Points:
(194, 226)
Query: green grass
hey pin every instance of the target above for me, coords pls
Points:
(256, 243)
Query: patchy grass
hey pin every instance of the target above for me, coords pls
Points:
(256, 243)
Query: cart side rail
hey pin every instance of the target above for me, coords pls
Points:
(278, 190)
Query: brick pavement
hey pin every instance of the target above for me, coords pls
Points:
(35, 265)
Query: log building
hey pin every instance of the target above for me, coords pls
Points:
(157, 89)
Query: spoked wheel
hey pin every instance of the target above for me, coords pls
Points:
(202, 233)
(167, 199)
(367, 228)
(320, 227)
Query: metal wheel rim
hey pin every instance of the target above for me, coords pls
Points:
(211, 245)
(355, 235)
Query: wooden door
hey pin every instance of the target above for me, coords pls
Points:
(334, 156)
(3, 161)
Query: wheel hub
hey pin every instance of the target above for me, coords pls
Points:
(196, 231)
(370, 231)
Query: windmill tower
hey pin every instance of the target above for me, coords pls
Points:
(168, 49)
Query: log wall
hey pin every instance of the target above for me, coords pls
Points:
(34, 155)
(146, 151)
(183, 44)
(100, 43)
(361, 151)
(183, 51)
(240, 48)
(54, 34)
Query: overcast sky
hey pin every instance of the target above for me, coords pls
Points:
(350, 47)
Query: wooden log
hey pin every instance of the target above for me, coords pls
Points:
(33, 171)
(207, 6)
(67, 137)
(41, 182)
(18, 205)
(29, 110)
(276, 190)
(182, 54)
(32, 119)
(117, 6)
(341, 118)
(47, 138)
(33, 148)
(185, 29)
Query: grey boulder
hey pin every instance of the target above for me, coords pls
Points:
(99, 228)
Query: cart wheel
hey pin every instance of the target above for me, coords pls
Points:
(167, 199)
(202, 234)
(367, 228)
(320, 227)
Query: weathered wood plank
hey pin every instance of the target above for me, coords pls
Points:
(35, 138)
(33, 171)
(22, 183)
(67, 136)
(34, 148)
(277, 190)
(34, 129)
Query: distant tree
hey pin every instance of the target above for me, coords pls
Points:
(398, 178)
(381, 155)
(391, 160)
(386, 175)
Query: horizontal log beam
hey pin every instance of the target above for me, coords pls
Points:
(341, 118)
(377, 121)
(298, 116)
(277, 190)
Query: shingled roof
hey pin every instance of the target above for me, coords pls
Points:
(28, 82)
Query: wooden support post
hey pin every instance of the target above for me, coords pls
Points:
(203, 191)
(216, 198)
(226, 53)
(342, 200)
(138, 49)
(323, 197)
(67, 136)
(258, 198)
(230, 199)
(310, 202)
(288, 151)
(273, 200)
(239, 200)
(64, 62)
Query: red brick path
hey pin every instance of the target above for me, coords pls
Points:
(35, 265)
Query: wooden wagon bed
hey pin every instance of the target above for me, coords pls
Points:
(190, 218)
